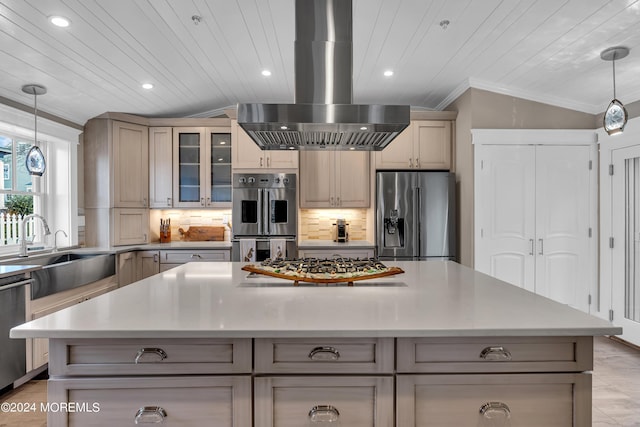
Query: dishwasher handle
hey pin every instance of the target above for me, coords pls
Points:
(15, 285)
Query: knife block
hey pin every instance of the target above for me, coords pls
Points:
(165, 236)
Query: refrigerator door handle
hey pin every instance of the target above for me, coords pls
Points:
(260, 211)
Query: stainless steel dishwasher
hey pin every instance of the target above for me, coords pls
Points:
(13, 363)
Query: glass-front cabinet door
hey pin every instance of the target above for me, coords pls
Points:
(202, 167)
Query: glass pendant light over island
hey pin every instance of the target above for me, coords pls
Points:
(615, 117)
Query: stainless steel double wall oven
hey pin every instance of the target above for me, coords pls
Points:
(264, 208)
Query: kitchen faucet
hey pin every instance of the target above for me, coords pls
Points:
(23, 232)
(55, 239)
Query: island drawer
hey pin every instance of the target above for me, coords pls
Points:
(525, 400)
(496, 354)
(183, 256)
(309, 401)
(150, 356)
(223, 401)
(324, 355)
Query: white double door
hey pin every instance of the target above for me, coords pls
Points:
(533, 218)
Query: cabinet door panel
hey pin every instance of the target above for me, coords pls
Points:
(188, 172)
(562, 224)
(358, 401)
(131, 165)
(131, 226)
(433, 145)
(505, 202)
(246, 154)
(399, 153)
(352, 180)
(317, 179)
(561, 400)
(160, 167)
(282, 159)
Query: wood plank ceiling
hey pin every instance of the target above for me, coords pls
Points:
(545, 50)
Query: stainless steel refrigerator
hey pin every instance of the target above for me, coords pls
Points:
(415, 215)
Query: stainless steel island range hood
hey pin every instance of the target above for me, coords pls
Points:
(323, 116)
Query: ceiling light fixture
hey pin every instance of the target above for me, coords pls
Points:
(35, 162)
(388, 73)
(60, 21)
(615, 117)
(444, 24)
(147, 86)
(266, 73)
(196, 19)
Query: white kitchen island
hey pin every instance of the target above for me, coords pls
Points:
(203, 344)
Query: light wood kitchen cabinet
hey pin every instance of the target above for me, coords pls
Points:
(175, 258)
(247, 155)
(490, 400)
(334, 179)
(56, 302)
(160, 167)
(130, 226)
(325, 400)
(202, 167)
(130, 165)
(222, 401)
(148, 264)
(330, 253)
(116, 176)
(423, 145)
(127, 268)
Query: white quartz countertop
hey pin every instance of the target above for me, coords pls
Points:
(431, 299)
(14, 270)
(330, 244)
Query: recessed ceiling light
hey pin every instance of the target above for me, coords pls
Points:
(363, 128)
(388, 73)
(292, 148)
(284, 127)
(266, 73)
(60, 21)
(223, 142)
(147, 86)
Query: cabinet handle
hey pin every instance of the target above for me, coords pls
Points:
(261, 161)
(495, 410)
(144, 202)
(324, 414)
(144, 236)
(160, 353)
(338, 201)
(410, 162)
(208, 201)
(530, 246)
(324, 353)
(195, 256)
(150, 415)
(331, 201)
(168, 201)
(495, 353)
(541, 241)
(155, 257)
(417, 162)
(268, 161)
(202, 201)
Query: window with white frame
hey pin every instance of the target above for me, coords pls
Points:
(21, 194)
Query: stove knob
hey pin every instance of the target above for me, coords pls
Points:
(276, 180)
(251, 180)
(285, 181)
(242, 180)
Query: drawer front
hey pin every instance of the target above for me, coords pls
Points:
(529, 354)
(323, 356)
(179, 257)
(150, 357)
(178, 401)
(524, 400)
(308, 401)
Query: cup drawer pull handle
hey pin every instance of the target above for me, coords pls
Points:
(150, 355)
(324, 414)
(150, 415)
(495, 353)
(324, 353)
(495, 411)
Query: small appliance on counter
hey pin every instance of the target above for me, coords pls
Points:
(340, 230)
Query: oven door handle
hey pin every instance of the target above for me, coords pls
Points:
(266, 224)
(260, 211)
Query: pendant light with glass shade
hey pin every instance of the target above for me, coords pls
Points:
(35, 159)
(615, 117)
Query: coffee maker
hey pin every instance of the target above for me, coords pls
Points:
(340, 231)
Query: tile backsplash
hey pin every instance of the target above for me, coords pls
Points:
(181, 218)
(317, 224)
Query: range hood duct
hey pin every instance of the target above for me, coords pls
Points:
(323, 116)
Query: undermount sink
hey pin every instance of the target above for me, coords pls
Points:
(62, 271)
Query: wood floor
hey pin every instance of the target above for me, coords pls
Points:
(616, 390)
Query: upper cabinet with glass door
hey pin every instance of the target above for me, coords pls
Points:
(202, 167)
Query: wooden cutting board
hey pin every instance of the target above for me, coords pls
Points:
(202, 233)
